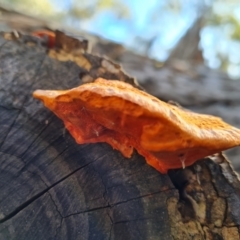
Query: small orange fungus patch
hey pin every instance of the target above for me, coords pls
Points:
(117, 113)
(46, 34)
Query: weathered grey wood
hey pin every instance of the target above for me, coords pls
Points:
(52, 188)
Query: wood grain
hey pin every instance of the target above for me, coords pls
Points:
(53, 188)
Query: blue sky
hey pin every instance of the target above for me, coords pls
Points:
(167, 27)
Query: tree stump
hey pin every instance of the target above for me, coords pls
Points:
(53, 188)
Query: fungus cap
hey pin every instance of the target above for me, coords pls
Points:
(167, 136)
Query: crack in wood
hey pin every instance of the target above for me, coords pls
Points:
(23, 103)
(29, 162)
(59, 227)
(32, 199)
(37, 137)
(9, 129)
(9, 108)
(132, 220)
(119, 203)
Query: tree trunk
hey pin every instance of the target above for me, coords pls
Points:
(53, 188)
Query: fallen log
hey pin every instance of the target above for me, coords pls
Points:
(53, 188)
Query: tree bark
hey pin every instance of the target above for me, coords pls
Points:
(53, 188)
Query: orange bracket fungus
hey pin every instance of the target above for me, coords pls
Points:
(125, 117)
(50, 35)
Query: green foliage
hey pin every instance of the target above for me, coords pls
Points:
(31, 7)
(227, 20)
(85, 9)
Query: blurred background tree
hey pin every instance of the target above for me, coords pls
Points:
(155, 27)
